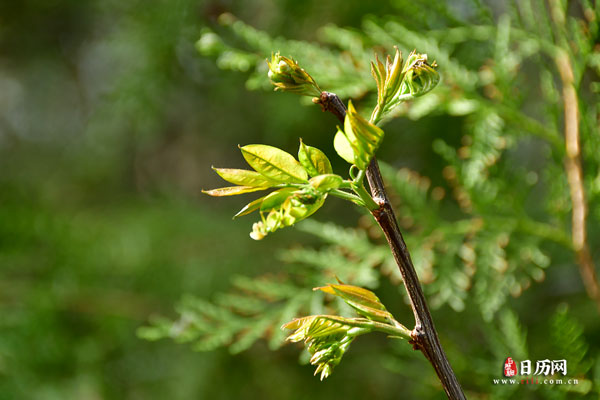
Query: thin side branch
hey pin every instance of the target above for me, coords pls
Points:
(424, 335)
(575, 179)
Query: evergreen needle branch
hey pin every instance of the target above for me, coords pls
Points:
(424, 335)
(544, 230)
(524, 224)
(527, 123)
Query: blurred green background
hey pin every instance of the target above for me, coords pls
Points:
(109, 123)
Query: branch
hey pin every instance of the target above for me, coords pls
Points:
(575, 179)
(573, 156)
(424, 336)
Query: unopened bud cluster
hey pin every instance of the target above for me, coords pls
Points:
(297, 206)
(397, 83)
(419, 76)
(287, 75)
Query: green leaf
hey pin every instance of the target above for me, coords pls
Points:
(274, 163)
(250, 207)
(326, 182)
(244, 177)
(342, 147)
(232, 190)
(314, 160)
(275, 199)
(301, 208)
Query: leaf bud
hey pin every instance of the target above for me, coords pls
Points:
(419, 76)
(285, 74)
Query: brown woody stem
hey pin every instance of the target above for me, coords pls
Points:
(424, 336)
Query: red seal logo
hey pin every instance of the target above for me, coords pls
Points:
(510, 367)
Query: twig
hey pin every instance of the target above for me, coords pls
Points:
(573, 155)
(424, 336)
(575, 179)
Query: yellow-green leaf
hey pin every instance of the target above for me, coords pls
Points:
(314, 160)
(367, 135)
(324, 327)
(316, 326)
(232, 190)
(301, 209)
(342, 147)
(362, 300)
(276, 198)
(353, 293)
(274, 163)
(244, 177)
(298, 322)
(326, 182)
(250, 207)
(362, 136)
